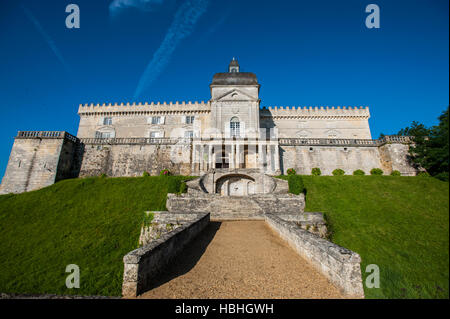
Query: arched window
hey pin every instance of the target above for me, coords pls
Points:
(235, 126)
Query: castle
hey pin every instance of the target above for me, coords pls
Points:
(231, 132)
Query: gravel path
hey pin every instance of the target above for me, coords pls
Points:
(240, 259)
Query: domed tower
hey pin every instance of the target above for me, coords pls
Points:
(235, 102)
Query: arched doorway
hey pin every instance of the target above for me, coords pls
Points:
(235, 185)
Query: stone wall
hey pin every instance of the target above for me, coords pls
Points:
(340, 265)
(143, 264)
(315, 122)
(38, 161)
(395, 156)
(135, 120)
(329, 158)
(133, 160)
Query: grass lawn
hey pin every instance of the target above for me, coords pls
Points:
(90, 222)
(399, 223)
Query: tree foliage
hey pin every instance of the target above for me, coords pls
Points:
(431, 146)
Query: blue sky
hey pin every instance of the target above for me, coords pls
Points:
(303, 53)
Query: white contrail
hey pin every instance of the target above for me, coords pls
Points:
(182, 26)
(46, 37)
(118, 6)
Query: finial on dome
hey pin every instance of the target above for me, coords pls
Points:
(234, 66)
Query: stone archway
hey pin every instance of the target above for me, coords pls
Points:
(235, 185)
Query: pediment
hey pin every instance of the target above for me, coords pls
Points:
(236, 95)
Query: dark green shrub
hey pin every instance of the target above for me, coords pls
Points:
(423, 174)
(291, 171)
(103, 175)
(338, 172)
(442, 176)
(316, 171)
(145, 174)
(396, 173)
(376, 171)
(359, 172)
(296, 185)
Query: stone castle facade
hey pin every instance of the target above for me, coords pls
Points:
(231, 131)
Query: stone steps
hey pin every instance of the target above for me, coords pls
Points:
(236, 206)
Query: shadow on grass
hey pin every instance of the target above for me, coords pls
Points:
(188, 258)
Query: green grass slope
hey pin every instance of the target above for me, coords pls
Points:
(90, 222)
(400, 224)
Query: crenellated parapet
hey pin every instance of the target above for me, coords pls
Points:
(315, 112)
(143, 108)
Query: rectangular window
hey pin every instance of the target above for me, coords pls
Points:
(190, 119)
(234, 129)
(103, 135)
(189, 134)
(156, 120)
(155, 134)
(107, 121)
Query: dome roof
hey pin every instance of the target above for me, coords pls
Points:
(234, 78)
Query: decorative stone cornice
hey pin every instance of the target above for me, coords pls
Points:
(144, 108)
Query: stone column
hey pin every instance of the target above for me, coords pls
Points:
(232, 157)
(210, 161)
(260, 156)
(238, 155)
(193, 157)
(202, 158)
(277, 157)
(255, 154)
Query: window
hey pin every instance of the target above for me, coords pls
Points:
(107, 121)
(189, 134)
(190, 119)
(103, 134)
(156, 120)
(155, 134)
(235, 126)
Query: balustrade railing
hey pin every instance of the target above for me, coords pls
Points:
(173, 141)
(46, 134)
(136, 141)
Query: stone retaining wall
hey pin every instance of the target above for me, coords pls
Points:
(340, 265)
(143, 264)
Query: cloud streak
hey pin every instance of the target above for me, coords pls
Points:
(46, 37)
(118, 6)
(182, 26)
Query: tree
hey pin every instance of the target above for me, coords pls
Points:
(431, 146)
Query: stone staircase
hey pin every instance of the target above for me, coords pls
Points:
(271, 197)
(234, 207)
